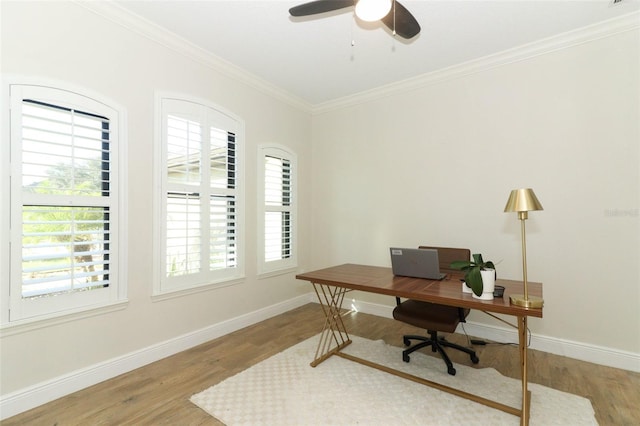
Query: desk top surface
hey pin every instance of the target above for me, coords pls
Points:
(376, 279)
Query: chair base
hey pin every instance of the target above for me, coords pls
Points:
(437, 345)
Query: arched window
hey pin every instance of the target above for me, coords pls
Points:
(66, 203)
(200, 197)
(277, 221)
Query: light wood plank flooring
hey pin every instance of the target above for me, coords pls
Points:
(158, 394)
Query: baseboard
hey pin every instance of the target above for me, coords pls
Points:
(41, 393)
(576, 350)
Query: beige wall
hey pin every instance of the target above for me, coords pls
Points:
(67, 42)
(435, 165)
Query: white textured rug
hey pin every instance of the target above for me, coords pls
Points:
(285, 390)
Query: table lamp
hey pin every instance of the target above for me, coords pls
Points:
(523, 201)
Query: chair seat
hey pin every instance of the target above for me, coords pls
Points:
(434, 317)
(428, 316)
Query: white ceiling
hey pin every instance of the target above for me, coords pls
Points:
(333, 55)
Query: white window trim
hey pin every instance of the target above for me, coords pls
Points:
(117, 296)
(276, 267)
(161, 290)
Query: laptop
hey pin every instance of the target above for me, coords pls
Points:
(416, 263)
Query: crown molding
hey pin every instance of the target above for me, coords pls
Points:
(566, 40)
(172, 41)
(141, 26)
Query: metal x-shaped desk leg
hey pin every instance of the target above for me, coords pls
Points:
(334, 336)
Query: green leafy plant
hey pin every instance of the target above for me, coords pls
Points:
(472, 269)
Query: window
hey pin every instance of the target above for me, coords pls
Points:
(277, 221)
(200, 201)
(66, 215)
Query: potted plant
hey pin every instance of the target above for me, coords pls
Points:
(476, 271)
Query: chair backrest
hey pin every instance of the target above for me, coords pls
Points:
(446, 255)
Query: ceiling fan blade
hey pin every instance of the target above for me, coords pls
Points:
(320, 6)
(406, 25)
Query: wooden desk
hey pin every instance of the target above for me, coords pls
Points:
(331, 284)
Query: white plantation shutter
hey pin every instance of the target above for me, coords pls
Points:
(277, 188)
(199, 217)
(65, 148)
(184, 150)
(65, 156)
(64, 249)
(222, 239)
(65, 214)
(183, 234)
(278, 202)
(222, 217)
(183, 197)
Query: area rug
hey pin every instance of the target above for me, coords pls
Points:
(285, 390)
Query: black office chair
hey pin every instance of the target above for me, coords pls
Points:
(434, 317)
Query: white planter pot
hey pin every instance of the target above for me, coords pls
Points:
(488, 284)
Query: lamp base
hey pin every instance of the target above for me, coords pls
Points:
(527, 302)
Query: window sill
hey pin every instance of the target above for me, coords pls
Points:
(284, 271)
(174, 293)
(27, 325)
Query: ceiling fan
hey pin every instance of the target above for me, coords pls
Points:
(390, 12)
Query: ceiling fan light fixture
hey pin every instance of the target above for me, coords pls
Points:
(372, 10)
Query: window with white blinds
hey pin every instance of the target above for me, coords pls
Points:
(199, 223)
(278, 205)
(64, 202)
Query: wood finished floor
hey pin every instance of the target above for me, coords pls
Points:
(158, 394)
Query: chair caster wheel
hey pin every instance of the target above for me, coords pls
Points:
(451, 371)
(406, 341)
(405, 358)
(475, 359)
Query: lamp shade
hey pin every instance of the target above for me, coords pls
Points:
(372, 10)
(522, 200)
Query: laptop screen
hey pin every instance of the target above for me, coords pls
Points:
(417, 263)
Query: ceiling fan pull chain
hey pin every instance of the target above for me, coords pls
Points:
(393, 32)
(394, 18)
(353, 22)
(352, 53)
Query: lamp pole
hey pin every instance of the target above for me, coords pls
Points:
(522, 201)
(523, 216)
